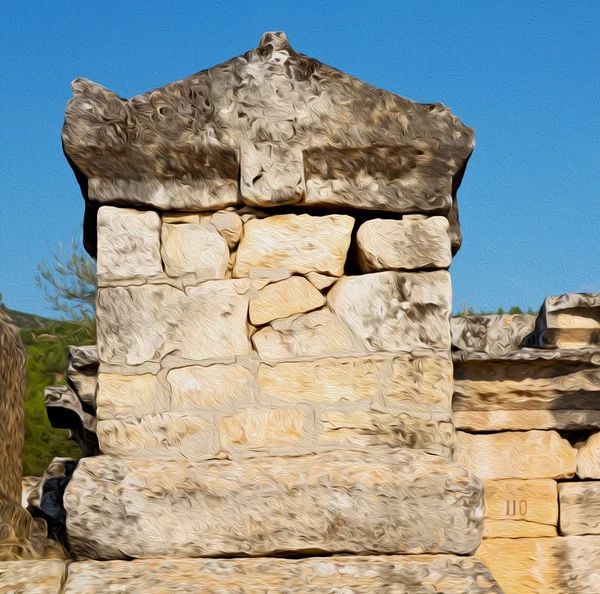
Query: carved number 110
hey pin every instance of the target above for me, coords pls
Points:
(513, 507)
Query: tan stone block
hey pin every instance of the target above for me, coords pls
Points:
(342, 501)
(588, 458)
(512, 529)
(523, 565)
(255, 430)
(196, 389)
(229, 225)
(316, 334)
(130, 396)
(269, 274)
(395, 311)
(407, 244)
(165, 436)
(516, 454)
(32, 577)
(196, 249)
(320, 281)
(283, 299)
(524, 420)
(348, 574)
(128, 244)
(301, 243)
(579, 508)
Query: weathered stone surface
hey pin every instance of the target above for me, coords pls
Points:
(516, 454)
(194, 249)
(229, 225)
(395, 311)
(475, 421)
(141, 324)
(128, 244)
(316, 334)
(588, 458)
(579, 508)
(408, 244)
(569, 321)
(32, 577)
(336, 151)
(81, 374)
(520, 508)
(300, 243)
(343, 501)
(283, 299)
(495, 334)
(579, 562)
(424, 574)
(320, 281)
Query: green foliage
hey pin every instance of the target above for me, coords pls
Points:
(470, 311)
(47, 350)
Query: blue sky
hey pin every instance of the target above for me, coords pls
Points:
(525, 75)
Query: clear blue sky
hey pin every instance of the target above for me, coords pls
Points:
(525, 75)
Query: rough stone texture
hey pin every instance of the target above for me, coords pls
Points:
(569, 321)
(569, 565)
(196, 249)
(303, 132)
(81, 374)
(408, 244)
(32, 577)
(320, 281)
(419, 574)
(476, 421)
(579, 508)
(395, 311)
(519, 508)
(283, 299)
(588, 458)
(137, 325)
(229, 225)
(339, 502)
(128, 244)
(516, 454)
(494, 335)
(299, 243)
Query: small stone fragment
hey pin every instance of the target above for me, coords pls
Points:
(320, 281)
(229, 225)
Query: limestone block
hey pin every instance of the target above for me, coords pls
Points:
(194, 248)
(523, 420)
(343, 501)
(352, 575)
(163, 436)
(32, 577)
(230, 225)
(579, 508)
(141, 324)
(81, 373)
(408, 244)
(316, 334)
(588, 458)
(283, 299)
(130, 396)
(197, 389)
(569, 321)
(320, 281)
(520, 508)
(300, 243)
(395, 311)
(128, 244)
(516, 454)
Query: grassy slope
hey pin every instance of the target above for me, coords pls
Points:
(47, 343)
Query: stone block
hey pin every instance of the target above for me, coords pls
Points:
(588, 458)
(283, 299)
(230, 226)
(81, 373)
(407, 244)
(520, 508)
(579, 508)
(354, 502)
(195, 249)
(128, 244)
(300, 243)
(352, 575)
(32, 577)
(476, 421)
(395, 311)
(516, 454)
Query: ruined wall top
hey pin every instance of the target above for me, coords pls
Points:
(269, 128)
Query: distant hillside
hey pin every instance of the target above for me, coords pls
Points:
(47, 343)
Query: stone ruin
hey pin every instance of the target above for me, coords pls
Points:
(270, 404)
